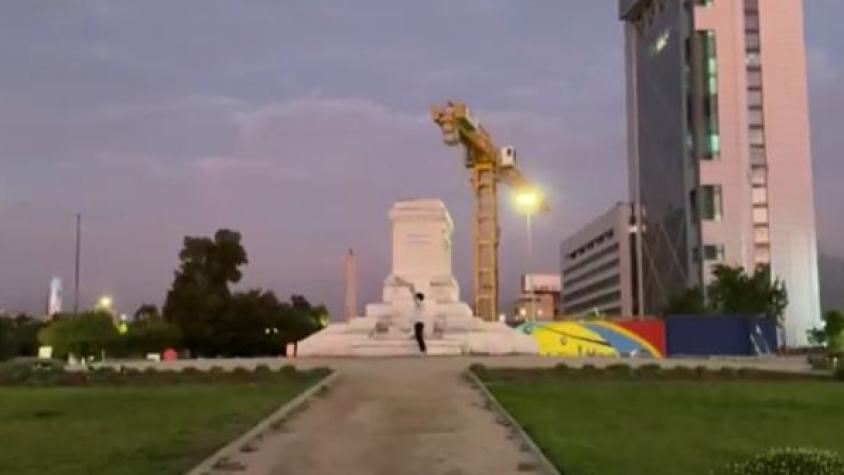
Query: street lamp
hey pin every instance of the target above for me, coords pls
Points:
(105, 303)
(528, 201)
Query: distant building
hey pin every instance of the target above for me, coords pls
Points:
(540, 299)
(350, 301)
(54, 297)
(597, 266)
(832, 282)
(718, 142)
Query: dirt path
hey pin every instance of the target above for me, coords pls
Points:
(393, 417)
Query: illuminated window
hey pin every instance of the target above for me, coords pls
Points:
(709, 66)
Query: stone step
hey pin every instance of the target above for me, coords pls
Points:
(404, 347)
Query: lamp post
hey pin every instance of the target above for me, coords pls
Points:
(529, 201)
(76, 268)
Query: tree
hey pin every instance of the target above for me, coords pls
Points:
(734, 291)
(86, 334)
(689, 302)
(831, 335)
(18, 335)
(148, 332)
(200, 290)
(146, 311)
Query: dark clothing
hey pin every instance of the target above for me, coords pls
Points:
(419, 332)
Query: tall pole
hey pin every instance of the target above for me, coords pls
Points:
(76, 272)
(531, 293)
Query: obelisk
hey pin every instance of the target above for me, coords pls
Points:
(351, 302)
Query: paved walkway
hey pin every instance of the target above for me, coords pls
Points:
(413, 416)
(406, 416)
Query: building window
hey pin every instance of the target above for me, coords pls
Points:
(760, 215)
(754, 98)
(713, 252)
(751, 40)
(754, 60)
(709, 69)
(756, 136)
(751, 21)
(762, 256)
(712, 207)
(761, 235)
(705, 3)
(755, 117)
(760, 195)
(758, 176)
(754, 79)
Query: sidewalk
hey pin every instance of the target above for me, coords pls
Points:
(393, 417)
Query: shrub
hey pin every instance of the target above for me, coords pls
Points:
(789, 461)
(702, 372)
(288, 371)
(727, 373)
(819, 361)
(562, 368)
(748, 373)
(619, 369)
(262, 370)
(680, 372)
(839, 373)
(589, 368)
(240, 373)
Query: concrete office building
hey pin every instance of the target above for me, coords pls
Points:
(597, 267)
(718, 138)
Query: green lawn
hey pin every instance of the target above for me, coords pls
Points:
(662, 427)
(159, 429)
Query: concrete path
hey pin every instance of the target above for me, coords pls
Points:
(412, 416)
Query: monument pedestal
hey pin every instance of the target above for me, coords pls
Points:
(421, 264)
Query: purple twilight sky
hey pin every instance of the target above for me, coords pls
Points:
(299, 123)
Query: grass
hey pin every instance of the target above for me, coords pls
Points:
(605, 426)
(160, 429)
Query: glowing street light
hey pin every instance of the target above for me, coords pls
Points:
(105, 302)
(528, 201)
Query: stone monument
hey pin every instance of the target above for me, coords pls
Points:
(421, 263)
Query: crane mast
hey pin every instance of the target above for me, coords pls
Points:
(487, 167)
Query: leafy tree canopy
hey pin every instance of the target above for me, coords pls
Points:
(86, 334)
(213, 320)
(734, 291)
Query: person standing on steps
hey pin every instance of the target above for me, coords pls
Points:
(419, 322)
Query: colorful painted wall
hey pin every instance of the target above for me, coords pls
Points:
(599, 338)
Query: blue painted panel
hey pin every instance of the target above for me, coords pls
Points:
(719, 335)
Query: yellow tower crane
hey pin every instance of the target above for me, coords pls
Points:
(488, 166)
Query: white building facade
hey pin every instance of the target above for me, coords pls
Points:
(718, 141)
(598, 267)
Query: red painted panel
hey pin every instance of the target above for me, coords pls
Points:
(652, 331)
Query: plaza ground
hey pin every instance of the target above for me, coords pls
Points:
(664, 427)
(409, 416)
(150, 429)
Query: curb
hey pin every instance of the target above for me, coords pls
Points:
(208, 465)
(547, 467)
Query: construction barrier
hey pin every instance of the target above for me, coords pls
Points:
(641, 338)
(740, 335)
